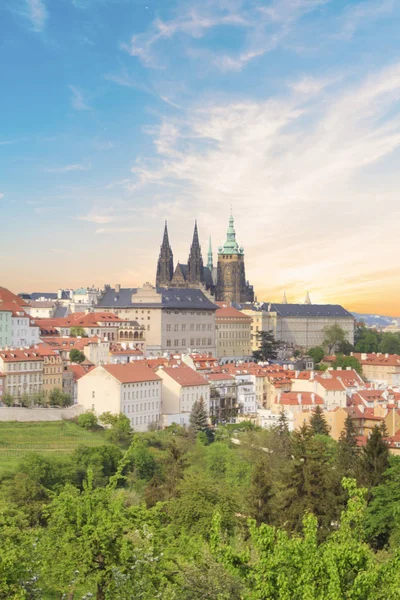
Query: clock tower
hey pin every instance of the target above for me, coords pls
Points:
(231, 277)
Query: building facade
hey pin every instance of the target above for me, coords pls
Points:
(174, 320)
(23, 372)
(233, 333)
(226, 282)
(132, 389)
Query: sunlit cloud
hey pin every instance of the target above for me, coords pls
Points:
(32, 12)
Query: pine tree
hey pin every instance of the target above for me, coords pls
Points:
(268, 346)
(374, 458)
(348, 451)
(318, 423)
(261, 493)
(282, 427)
(198, 418)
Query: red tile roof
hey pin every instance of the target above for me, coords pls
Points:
(219, 377)
(11, 302)
(228, 312)
(299, 399)
(24, 355)
(378, 359)
(185, 376)
(133, 372)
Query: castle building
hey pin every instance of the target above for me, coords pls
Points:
(226, 282)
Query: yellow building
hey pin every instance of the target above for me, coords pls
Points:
(52, 369)
(380, 367)
(233, 333)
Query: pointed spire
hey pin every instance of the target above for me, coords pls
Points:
(210, 255)
(195, 242)
(284, 299)
(165, 242)
(308, 299)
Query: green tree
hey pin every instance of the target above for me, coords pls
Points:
(334, 335)
(347, 361)
(88, 420)
(119, 427)
(318, 424)
(59, 398)
(345, 348)
(25, 401)
(383, 511)
(144, 463)
(367, 341)
(261, 493)
(77, 332)
(8, 399)
(198, 419)
(268, 346)
(390, 343)
(317, 354)
(282, 427)
(76, 356)
(91, 543)
(374, 458)
(348, 451)
(40, 398)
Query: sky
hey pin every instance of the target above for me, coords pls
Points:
(118, 114)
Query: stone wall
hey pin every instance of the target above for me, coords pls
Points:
(40, 414)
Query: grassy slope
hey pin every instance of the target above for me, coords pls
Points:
(59, 437)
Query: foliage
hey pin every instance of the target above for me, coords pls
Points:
(77, 332)
(366, 340)
(345, 348)
(318, 424)
(59, 398)
(348, 451)
(268, 346)
(8, 399)
(374, 458)
(347, 361)
(88, 420)
(120, 430)
(317, 353)
(383, 511)
(198, 419)
(390, 343)
(334, 335)
(76, 356)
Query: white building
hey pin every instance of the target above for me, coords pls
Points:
(182, 387)
(246, 394)
(24, 331)
(132, 389)
(5, 328)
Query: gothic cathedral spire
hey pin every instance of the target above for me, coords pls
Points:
(210, 255)
(165, 265)
(195, 261)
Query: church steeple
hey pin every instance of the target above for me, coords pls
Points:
(284, 299)
(308, 299)
(195, 260)
(165, 265)
(210, 255)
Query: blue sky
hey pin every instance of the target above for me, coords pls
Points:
(117, 114)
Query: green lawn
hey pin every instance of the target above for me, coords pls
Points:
(57, 438)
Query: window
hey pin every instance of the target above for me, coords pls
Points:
(93, 394)
(168, 343)
(183, 327)
(192, 341)
(168, 327)
(176, 342)
(183, 342)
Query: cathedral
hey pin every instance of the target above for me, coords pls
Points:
(226, 282)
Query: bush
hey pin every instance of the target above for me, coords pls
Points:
(88, 420)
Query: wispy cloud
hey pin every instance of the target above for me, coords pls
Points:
(68, 168)
(33, 12)
(78, 100)
(357, 15)
(297, 162)
(1, 195)
(263, 27)
(99, 218)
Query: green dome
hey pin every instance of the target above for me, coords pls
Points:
(231, 246)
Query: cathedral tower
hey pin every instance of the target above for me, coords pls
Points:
(165, 265)
(195, 270)
(231, 282)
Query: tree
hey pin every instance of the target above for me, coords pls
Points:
(88, 420)
(367, 340)
(77, 332)
(25, 400)
(268, 346)
(382, 514)
(345, 348)
(120, 430)
(76, 356)
(282, 427)
(334, 335)
(198, 419)
(348, 451)
(347, 361)
(374, 458)
(317, 354)
(59, 398)
(318, 424)
(7, 399)
(40, 398)
(261, 492)
(390, 343)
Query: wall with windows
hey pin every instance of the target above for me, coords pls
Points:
(141, 403)
(178, 399)
(5, 328)
(183, 329)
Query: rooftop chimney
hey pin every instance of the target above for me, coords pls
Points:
(117, 288)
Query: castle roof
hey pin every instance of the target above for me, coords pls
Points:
(173, 298)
